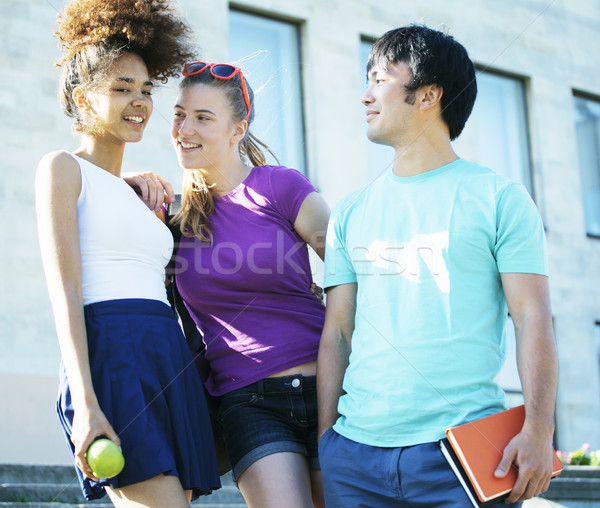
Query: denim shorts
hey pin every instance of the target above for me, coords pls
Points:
(270, 416)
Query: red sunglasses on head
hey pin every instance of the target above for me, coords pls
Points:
(219, 71)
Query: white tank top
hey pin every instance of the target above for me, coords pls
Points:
(124, 246)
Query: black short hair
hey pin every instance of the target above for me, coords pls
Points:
(433, 57)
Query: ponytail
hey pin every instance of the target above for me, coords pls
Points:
(251, 148)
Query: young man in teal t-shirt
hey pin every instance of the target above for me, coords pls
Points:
(420, 268)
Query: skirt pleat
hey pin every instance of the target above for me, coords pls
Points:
(149, 389)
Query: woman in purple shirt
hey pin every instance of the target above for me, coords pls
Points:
(244, 275)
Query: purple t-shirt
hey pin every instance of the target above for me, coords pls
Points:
(249, 292)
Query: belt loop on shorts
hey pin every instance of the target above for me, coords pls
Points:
(260, 387)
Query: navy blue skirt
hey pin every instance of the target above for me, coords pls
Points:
(149, 389)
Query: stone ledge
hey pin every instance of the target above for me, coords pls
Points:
(576, 483)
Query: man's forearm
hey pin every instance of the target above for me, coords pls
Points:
(334, 353)
(528, 299)
(538, 370)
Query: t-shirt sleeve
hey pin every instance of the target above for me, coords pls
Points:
(520, 239)
(289, 189)
(338, 264)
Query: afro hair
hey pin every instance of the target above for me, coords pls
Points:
(149, 28)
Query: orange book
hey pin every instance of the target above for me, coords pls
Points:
(475, 450)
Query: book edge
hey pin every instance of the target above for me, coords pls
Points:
(480, 494)
(460, 478)
(458, 451)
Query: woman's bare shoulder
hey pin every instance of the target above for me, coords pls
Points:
(59, 170)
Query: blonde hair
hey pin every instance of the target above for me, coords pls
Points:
(197, 203)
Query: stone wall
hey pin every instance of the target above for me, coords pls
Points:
(552, 44)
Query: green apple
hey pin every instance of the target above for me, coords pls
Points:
(105, 458)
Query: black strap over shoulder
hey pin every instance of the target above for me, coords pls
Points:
(171, 210)
(191, 332)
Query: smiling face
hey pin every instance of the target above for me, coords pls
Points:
(389, 106)
(203, 132)
(118, 110)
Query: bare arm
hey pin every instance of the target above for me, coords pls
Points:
(311, 222)
(58, 184)
(334, 351)
(528, 299)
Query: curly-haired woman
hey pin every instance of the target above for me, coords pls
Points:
(125, 359)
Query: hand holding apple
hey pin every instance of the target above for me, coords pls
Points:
(105, 458)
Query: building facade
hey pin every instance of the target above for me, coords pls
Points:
(537, 119)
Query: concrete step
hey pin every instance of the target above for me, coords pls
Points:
(102, 505)
(48, 493)
(34, 473)
(23, 485)
(532, 503)
(8, 504)
(42, 492)
(564, 488)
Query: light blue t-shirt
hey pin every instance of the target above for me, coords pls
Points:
(426, 253)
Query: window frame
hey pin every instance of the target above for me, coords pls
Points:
(301, 149)
(378, 155)
(579, 94)
(527, 177)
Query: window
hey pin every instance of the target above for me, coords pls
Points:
(379, 157)
(598, 343)
(496, 133)
(268, 52)
(587, 128)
